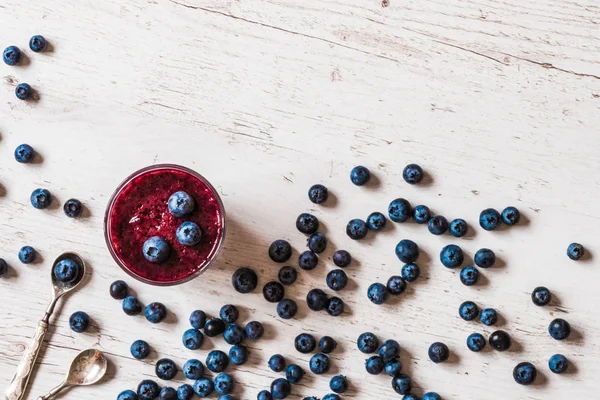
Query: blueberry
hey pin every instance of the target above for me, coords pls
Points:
(407, 251)
(37, 43)
(288, 275)
(287, 309)
(3, 267)
(294, 373)
(140, 349)
(155, 312)
(316, 299)
(410, 396)
(79, 322)
(238, 354)
(224, 383)
(485, 258)
(234, 334)
(374, 365)
(24, 153)
(132, 306)
(431, 396)
(410, 272)
(524, 373)
(305, 343)
(559, 329)
(335, 306)
(332, 396)
(127, 395)
(575, 251)
(148, 390)
(541, 296)
(468, 311)
(318, 194)
(413, 174)
(280, 388)
(217, 361)
(500, 341)
(356, 229)
(214, 327)
(167, 393)
(376, 221)
(327, 344)
(192, 339)
(511, 216)
(389, 350)
(401, 384)
(308, 260)
(11, 55)
(338, 384)
(489, 219)
(360, 175)
(393, 368)
(27, 255)
(156, 250)
(438, 352)
(317, 242)
(469, 275)
(203, 387)
(280, 251)
(277, 363)
(337, 279)
(185, 392)
(399, 210)
(226, 397)
(438, 225)
(377, 293)
(41, 198)
(198, 319)
(488, 316)
(188, 234)
(273, 292)
(66, 270)
(193, 369)
(244, 280)
(165, 369)
(23, 91)
(264, 395)
(558, 363)
(451, 256)
(307, 223)
(421, 214)
(254, 330)
(180, 204)
(319, 364)
(458, 227)
(476, 342)
(229, 313)
(342, 258)
(73, 208)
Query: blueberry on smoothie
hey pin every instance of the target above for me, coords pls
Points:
(189, 234)
(180, 204)
(156, 250)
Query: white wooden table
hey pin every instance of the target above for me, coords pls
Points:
(498, 101)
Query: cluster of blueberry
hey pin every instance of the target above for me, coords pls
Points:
(12, 55)
(387, 359)
(490, 219)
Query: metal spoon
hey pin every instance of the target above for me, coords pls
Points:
(18, 384)
(86, 369)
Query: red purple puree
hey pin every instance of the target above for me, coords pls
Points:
(140, 211)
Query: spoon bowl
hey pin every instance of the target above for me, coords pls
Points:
(87, 368)
(60, 288)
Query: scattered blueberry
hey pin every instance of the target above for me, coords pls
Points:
(376, 221)
(127, 395)
(37, 43)
(318, 194)
(500, 341)
(332, 396)
(287, 309)
(421, 214)
(410, 272)
(234, 334)
(327, 344)
(410, 396)
(156, 312)
(140, 349)
(319, 364)
(193, 369)
(468, 311)
(559, 329)
(11, 55)
(399, 210)
(431, 396)
(224, 383)
(525, 373)
(27, 255)
(24, 153)
(244, 280)
(79, 322)
(575, 251)
(485, 258)
(342, 258)
(476, 342)
(229, 313)
(558, 363)
(188, 234)
(203, 387)
(317, 242)
(273, 292)
(3, 267)
(214, 327)
(294, 373)
(489, 219)
(541, 296)
(511, 216)
(217, 361)
(226, 397)
(307, 260)
(73, 208)
(185, 392)
(277, 363)
(438, 352)
(264, 395)
(280, 388)
(254, 330)
(288, 275)
(396, 285)
(165, 369)
(305, 343)
(238, 354)
(132, 306)
(316, 299)
(407, 251)
(356, 229)
(360, 175)
(377, 293)
(280, 251)
(66, 270)
(307, 223)
(413, 174)
(393, 368)
(389, 350)
(402, 384)
(23, 91)
(41, 198)
(338, 384)
(458, 227)
(180, 204)
(148, 390)
(337, 279)
(438, 225)
(198, 319)
(167, 393)
(451, 256)
(156, 250)
(374, 365)
(469, 275)
(488, 316)
(335, 306)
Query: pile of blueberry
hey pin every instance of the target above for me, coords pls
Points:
(12, 55)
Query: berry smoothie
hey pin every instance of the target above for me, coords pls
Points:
(138, 210)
